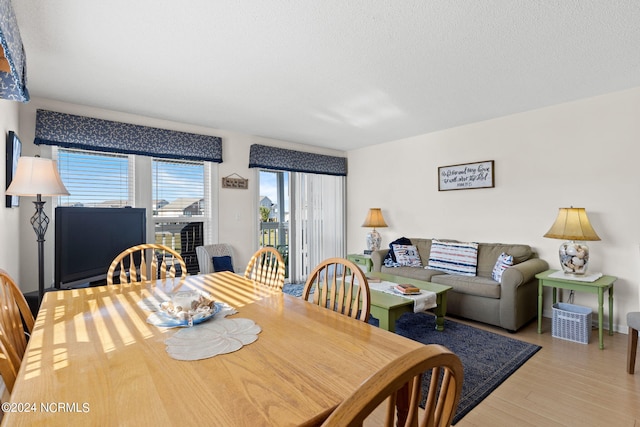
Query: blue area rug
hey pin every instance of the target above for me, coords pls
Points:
(488, 358)
(294, 289)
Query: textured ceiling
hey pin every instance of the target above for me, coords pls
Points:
(338, 74)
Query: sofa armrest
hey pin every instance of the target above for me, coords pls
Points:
(518, 274)
(519, 287)
(377, 257)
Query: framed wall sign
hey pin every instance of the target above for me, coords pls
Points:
(237, 183)
(466, 176)
(14, 149)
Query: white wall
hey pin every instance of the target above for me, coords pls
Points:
(237, 209)
(581, 154)
(9, 217)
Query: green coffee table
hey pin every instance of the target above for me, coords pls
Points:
(388, 308)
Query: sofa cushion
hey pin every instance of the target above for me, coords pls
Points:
(488, 253)
(417, 273)
(503, 262)
(407, 255)
(454, 257)
(480, 286)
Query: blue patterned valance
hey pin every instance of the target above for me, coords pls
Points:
(263, 156)
(67, 130)
(13, 66)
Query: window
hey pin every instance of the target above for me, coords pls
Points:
(180, 207)
(176, 192)
(95, 179)
(303, 216)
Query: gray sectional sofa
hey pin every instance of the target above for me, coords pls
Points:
(510, 303)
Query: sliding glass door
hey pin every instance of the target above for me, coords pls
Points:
(303, 216)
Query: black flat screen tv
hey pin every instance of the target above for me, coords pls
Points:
(88, 239)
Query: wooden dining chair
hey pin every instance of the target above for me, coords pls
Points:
(332, 283)
(400, 383)
(16, 323)
(266, 267)
(144, 262)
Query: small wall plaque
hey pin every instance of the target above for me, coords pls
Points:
(238, 183)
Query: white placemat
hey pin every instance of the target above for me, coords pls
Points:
(209, 339)
(421, 302)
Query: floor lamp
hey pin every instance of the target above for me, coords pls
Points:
(36, 176)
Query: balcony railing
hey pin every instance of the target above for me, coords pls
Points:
(183, 237)
(276, 234)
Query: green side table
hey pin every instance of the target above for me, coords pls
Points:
(595, 287)
(363, 261)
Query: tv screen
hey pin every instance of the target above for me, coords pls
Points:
(88, 239)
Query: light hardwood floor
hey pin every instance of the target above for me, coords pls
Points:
(564, 384)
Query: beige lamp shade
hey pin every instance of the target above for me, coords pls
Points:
(36, 175)
(572, 224)
(374, 218)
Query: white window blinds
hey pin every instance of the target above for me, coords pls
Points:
(178, 189)
(95, 179)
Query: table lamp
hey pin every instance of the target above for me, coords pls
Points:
(36, 176)
(374, 219)
(573, 224)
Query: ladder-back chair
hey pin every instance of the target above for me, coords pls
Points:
(338, 284)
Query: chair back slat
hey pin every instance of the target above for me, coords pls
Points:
(9, 361)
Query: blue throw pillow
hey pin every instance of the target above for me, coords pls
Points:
(222, 263)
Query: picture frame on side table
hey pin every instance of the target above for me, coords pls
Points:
(466, 176)
(14, 150)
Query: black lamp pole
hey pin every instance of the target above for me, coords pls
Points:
(40, 222)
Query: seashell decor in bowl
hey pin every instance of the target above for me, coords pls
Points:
(188, 306)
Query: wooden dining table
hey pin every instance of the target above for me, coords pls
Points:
(93, 359)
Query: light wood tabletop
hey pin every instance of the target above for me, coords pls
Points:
(94, 360)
